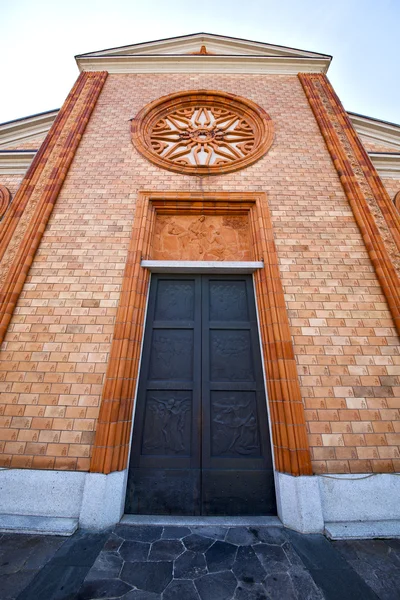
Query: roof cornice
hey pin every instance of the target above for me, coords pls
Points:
(15, 162)
(22, 130)
(167, 45)
(382, 131)
(283, 65)
(386, 163)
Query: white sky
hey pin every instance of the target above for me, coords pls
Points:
(39, 39)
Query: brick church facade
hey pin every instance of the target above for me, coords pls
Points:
(181, 179)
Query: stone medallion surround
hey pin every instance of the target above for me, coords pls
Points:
(202, 132)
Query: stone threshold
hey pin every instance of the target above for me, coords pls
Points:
(362, 530)
(38, 525)
(258, 521)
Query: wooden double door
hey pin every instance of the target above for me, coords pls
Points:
(201, 441)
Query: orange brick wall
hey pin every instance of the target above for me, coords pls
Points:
(372, 145)
(55, 353)
(12, 182)
(392, 186)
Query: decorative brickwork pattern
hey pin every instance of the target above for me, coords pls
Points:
(202, 133)
(376, 216)
(286, 409)
(34, 201)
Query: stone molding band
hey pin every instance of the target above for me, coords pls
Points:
(25, 221)
(376, 216)
(111, 447)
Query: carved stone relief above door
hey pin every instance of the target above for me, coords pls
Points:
(200, 237)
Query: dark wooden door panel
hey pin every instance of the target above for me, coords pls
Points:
(237, 471)
(201, 439)
(164, 472)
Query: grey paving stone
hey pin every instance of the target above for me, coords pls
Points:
(105, 588)
(247, 566)
(220, 557)
(134, 551)
(270, 535)
(106, 566)
(273, 558)
(197, 543)
(15, 550)
(376, 563)
(252, 591)
(181, 590)
(304, 584)
(166, 550)
(139, 533)
(378, 554)
(344, 584)
(216, 586)
(55, 581)
(189, 565)
(82, 549)
(13, 584)
(141, 595)
(280, 587)
(175, 533)
(241, 536)
(43, 551)
(330, 571)
(394, 545)
(215, 532)
(148, 576)
(291, 554)
(113, 543)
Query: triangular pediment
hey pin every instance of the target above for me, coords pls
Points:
(205, 44)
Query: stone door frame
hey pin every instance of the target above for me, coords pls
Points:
(114, 428)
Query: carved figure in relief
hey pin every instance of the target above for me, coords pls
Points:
(201, 238)
(168, 423)
(170, 356)
(235, 427)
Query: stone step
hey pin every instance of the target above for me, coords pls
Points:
(354, 530)
(38, 525)
(187, 521)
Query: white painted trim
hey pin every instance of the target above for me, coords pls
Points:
(201, 266)
(380, 131)
(21, 130)
(15, 162)
(214, 43)
(387, 164)
(284, 65)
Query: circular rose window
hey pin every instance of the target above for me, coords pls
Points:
(202, 133)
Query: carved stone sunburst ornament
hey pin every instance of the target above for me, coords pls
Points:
(202, 133)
